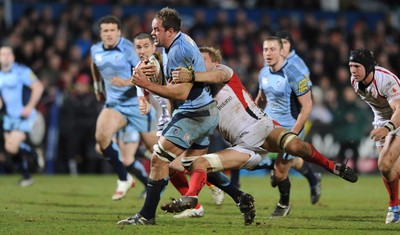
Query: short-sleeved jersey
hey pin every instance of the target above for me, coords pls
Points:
(237, 110)
(281, 89)
(15, 88)
(116, 62)
(185, 53)
(384, 88)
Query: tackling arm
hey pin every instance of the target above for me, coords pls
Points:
(219, 75)
(261, 100)
(170, 91)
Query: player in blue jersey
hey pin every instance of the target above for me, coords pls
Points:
(195, 115)
(20, 91)
(285, 93)
(112, 59)
(314, 179)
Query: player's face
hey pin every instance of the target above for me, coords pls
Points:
(271, 52)
(286, 47)
(207, 61)
(109, 34)
(144, 48)
(6, 56)
(159, 33)
(357, 70)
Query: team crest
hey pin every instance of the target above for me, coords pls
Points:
(98, 58)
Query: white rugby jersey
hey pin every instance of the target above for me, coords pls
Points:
(237, 110)
(384, 88)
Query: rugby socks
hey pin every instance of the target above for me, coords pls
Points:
(197, 182)
(307, 171)
(180, 182)
(284, 191)
(138, 171)
(24, 149)
(393, 191)
(154, 190)
(235, 176)
(319, 159)
(112, 155)
(221, 181)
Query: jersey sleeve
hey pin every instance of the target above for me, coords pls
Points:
(391, 90)
(28, 76)
(299, 82)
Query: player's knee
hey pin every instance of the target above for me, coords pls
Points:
(214, 162)
(11, 148)
(384, 165)
(162, 154)
(289, 143)
(295, 147)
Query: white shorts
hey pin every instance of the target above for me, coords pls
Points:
(377, 124)
(254, 159)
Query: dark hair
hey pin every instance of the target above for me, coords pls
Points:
(170, 19)
(110, 19)
(364, 57)
(283, 34)
(143, 35)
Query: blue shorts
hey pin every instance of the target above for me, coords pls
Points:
(136, 121)
(129, 133)
(20, 124)
(191, 129)
(287, 156)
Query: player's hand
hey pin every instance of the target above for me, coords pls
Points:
(379, 133)
(181, 75)
(139, 79)
(144, 106)
(149, 69)
(26, 111)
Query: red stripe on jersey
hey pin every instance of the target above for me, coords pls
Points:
(385, 71)
(236, 85)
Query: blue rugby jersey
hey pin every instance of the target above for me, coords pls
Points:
(281, 90)
(185, 53)
(116, 62)
(14, 88)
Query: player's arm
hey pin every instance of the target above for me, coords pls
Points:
(37, 89)
(261, 99)
(97, 83)
(392, 124)
(305, 112)
(170, 91)
(220, 75)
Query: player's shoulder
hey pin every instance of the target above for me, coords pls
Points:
(96, 47)
(264, 70)
(126, 44)
(21, 67)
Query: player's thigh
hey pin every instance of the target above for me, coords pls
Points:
(149, 139)
(13, 139)
(232, 159)
(109, 122)
(390, 152)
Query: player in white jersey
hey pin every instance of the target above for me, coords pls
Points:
(380, 89)
(246, 127)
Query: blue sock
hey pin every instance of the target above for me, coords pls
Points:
(154, 190)
(139, 171)
(221, 181)
(112, 155)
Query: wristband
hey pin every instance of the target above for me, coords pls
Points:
(390, 126)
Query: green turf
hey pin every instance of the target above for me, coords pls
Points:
(82, 205)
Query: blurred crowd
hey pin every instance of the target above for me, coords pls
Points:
(56, 47)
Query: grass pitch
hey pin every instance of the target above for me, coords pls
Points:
(63, 204)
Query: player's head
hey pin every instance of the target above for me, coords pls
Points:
(211, 57)
(144, 45)
(165, 26)
(362, 57)
(273, 50)
(7, 57)
(287, 41)
(110, 30)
